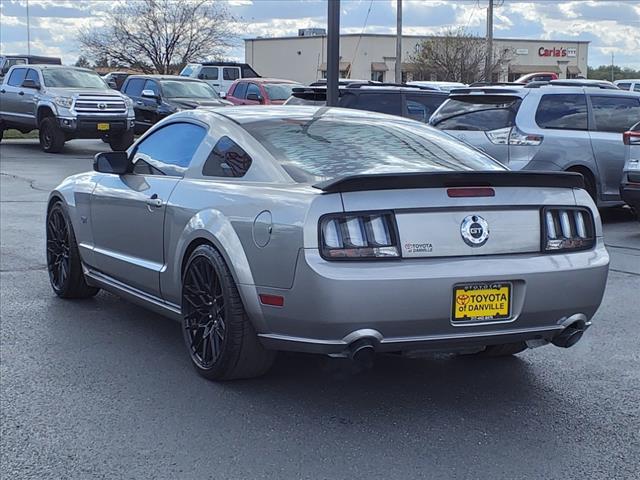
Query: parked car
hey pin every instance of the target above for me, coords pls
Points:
(265, 91)
(219, 75)
(64, 103)
(116, 79)
(413, 102)
(630, 187)
(444, 86)
(632, 84)
(8, 61)
(537, 77)
(550, 127)
(158, 96)
(328, 231)
(343, 82)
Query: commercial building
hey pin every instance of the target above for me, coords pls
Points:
(372, 56)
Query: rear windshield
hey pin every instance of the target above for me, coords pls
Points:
(333, 146)
(480, 113)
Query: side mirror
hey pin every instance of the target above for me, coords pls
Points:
(30, 83)
(201, 76)
(223, 94)
(112, 162)
(255, 97)
(112, 83)
(149, 94)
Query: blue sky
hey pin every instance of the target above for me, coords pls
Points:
(612, 26)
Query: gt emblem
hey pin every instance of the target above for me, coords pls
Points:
(474, 230)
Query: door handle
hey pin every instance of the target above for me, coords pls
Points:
(20, 93)
(154, 201)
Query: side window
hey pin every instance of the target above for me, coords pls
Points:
(421, 107)
(169, 150)
(230, 73)
(624, 86)
(208, 73)
(134, 87)
(253, 88)
(227, 159)
(32, 75)
(153, 86)
(615, 114)
(562, 112)
(390, 103)
(17, 76)
(241, 90)
(636, 87)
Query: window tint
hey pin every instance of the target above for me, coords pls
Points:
(32, 75)
(390, 103)
(17, 76)
(227, 159)
(240, 90)
(563, 112)
(253, 88)
(134, 87)
(624, 86)
(230, 73)
(481, 113)
(335, 146)
(208, 73)
(615, 114)
(421, 107)
(153, 86)
(169, 150)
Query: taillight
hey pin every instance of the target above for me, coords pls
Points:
(513, 136)
(352, 236)
(631, 138)
(567, 228)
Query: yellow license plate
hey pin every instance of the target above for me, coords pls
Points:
(481, 302)
(103, 127)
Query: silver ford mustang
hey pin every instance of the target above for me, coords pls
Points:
(329, 231)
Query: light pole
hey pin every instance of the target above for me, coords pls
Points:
(398, 71)
(488, 69)
(28, 31)
(333, 52)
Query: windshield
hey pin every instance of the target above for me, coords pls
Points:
(188, 89)
(70, 78)
(279, 91)
(330, 146)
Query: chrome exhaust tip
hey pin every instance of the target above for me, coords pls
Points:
(363, 352)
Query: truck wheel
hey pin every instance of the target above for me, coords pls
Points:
(1, 130)
(121, 142)
(51, 136)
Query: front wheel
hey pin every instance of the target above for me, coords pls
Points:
(51, 135)
(121, 142)
(220, 338)
(63, 258)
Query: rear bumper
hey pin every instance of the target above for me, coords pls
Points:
(407, 304)
(630, 191)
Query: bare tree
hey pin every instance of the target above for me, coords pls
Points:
(456, 56)
(160, 35)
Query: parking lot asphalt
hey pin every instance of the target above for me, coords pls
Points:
(101, 388)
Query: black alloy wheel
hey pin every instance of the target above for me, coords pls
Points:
(221, 340)
(58, 249)
(204, 313)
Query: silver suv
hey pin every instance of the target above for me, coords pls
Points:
(547, 127)
(64, 103)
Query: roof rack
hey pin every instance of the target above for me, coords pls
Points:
(389, 84)
(573, 83)
(496, 84)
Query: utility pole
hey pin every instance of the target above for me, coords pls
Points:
(398, 72)
(488, 73)
(28, 31)
(333, 52)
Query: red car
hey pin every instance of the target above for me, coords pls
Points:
(537, 77)
(260, 91)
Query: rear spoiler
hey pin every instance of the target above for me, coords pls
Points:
(393, 181)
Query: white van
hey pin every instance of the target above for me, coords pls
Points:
(220, 75)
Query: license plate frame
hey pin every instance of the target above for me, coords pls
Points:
(103, 127)
(461, 313)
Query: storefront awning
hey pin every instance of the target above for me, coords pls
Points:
(379, 67)
(343, 66)
(533, 68)
(573, 70)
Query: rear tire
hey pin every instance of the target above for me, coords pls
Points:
(121, 142)
(589, 182)
(503, 350)
(63, 258)
(51, 136)
(218, 334)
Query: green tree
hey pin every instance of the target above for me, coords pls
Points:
(603, 72)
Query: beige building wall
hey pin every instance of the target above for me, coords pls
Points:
(303, 59)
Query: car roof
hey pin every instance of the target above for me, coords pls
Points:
(541, 89)
(267, 80)
(164, 77)
(625, 80)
